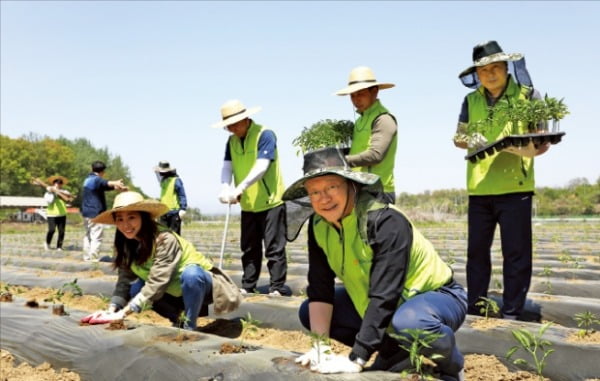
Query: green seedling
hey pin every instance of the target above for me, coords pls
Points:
(533, 344)
(317, 340)
(182, 321)
(487, 305)
(325, 133)
(586, 320)
(417, 342)
(547, 272)
(249, 325)
(73, 287)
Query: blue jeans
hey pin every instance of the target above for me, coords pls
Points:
(440, 311)
(196, 287)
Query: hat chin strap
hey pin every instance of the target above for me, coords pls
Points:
(348, 198)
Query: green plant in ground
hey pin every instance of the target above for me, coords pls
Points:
(417, 341)
(318, 340)
(56, 297)
(586, 320)
(533, 344)
(249, 325)
(487, 305)
(325, 133)
(182, 320)
(73, 287)
(547, 272)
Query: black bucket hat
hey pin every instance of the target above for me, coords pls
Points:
(327, 161)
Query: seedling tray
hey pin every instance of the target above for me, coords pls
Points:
(522, 145)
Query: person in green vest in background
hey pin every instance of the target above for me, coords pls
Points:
(252, 158)
(172, 194)
(56, 213)
(375, 136)
(392, 278)
(500, 186)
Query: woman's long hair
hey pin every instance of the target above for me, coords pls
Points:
(138, 250)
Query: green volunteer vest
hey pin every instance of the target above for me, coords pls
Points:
(167, 193)
(350, 257)
(502, 172)
(56, 208)
(189, 256)
(361, 140)
(265, 193)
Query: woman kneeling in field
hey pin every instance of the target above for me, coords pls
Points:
(155, 265)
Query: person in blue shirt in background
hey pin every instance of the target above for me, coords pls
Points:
(172, 194)
(94, 203)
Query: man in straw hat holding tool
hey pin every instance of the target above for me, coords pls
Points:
(172, 194)
(501, 185)
(375, 135)
(56, 213)
(393, 278)
(251, 157)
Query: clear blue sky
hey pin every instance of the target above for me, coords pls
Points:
(147, 79)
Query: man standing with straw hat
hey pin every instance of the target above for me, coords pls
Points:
(172, 194)
(375, 135)
(251, 157)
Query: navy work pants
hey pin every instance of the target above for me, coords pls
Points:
(513, 213)
(268, 227)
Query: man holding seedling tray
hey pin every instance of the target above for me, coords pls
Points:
(501, 185)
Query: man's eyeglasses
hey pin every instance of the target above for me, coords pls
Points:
(330, 190)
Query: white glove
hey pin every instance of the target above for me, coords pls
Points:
(181, 214)
(336, 364)
(316, 354)
(224, 194)
(477, 140)
(234, 195)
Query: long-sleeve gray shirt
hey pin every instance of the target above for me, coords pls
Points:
(383, 131)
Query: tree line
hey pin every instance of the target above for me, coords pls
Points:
(578, 197)
(35, 156)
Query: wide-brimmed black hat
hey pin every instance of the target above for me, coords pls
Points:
(164, 166)
(326, 161)
(486, 53)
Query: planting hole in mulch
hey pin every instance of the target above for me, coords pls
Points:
(32, 304)
(179, 338)
(6, 297)
(59, 309)
(116, 325)
(229, 348)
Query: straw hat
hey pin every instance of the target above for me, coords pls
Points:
(52, 179)
(327, 161)
(164, 166)
(233, 111)
(131, 202)
(486, 53)
(360, 78)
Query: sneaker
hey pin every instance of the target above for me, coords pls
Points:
(46, 248)
(59, 249)
(275, 293)
(243, 291)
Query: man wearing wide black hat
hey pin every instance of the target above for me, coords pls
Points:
(501, 185)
